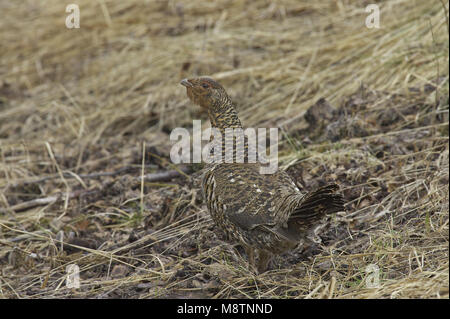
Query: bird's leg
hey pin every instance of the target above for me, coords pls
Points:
(264, 258)
(250, 254)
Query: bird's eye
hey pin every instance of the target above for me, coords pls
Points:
(205, 85)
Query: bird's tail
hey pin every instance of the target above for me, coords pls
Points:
(316, 204)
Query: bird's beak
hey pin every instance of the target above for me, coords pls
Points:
(186, 83)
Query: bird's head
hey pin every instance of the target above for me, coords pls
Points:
(205, 92)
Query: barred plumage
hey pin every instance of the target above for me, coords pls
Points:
(268, 213)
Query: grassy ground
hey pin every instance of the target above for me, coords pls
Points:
(367, 108)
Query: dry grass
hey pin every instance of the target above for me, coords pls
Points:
(80, 102)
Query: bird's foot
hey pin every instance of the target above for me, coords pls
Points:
(251, 258)
(263, 260)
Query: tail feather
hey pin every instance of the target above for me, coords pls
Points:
(316, 204)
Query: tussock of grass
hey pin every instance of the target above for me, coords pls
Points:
(78, 102)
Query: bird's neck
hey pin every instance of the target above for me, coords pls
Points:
(223, 115)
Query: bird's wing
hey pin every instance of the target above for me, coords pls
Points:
(245, 196)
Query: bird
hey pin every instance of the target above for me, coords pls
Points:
(266, 213)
